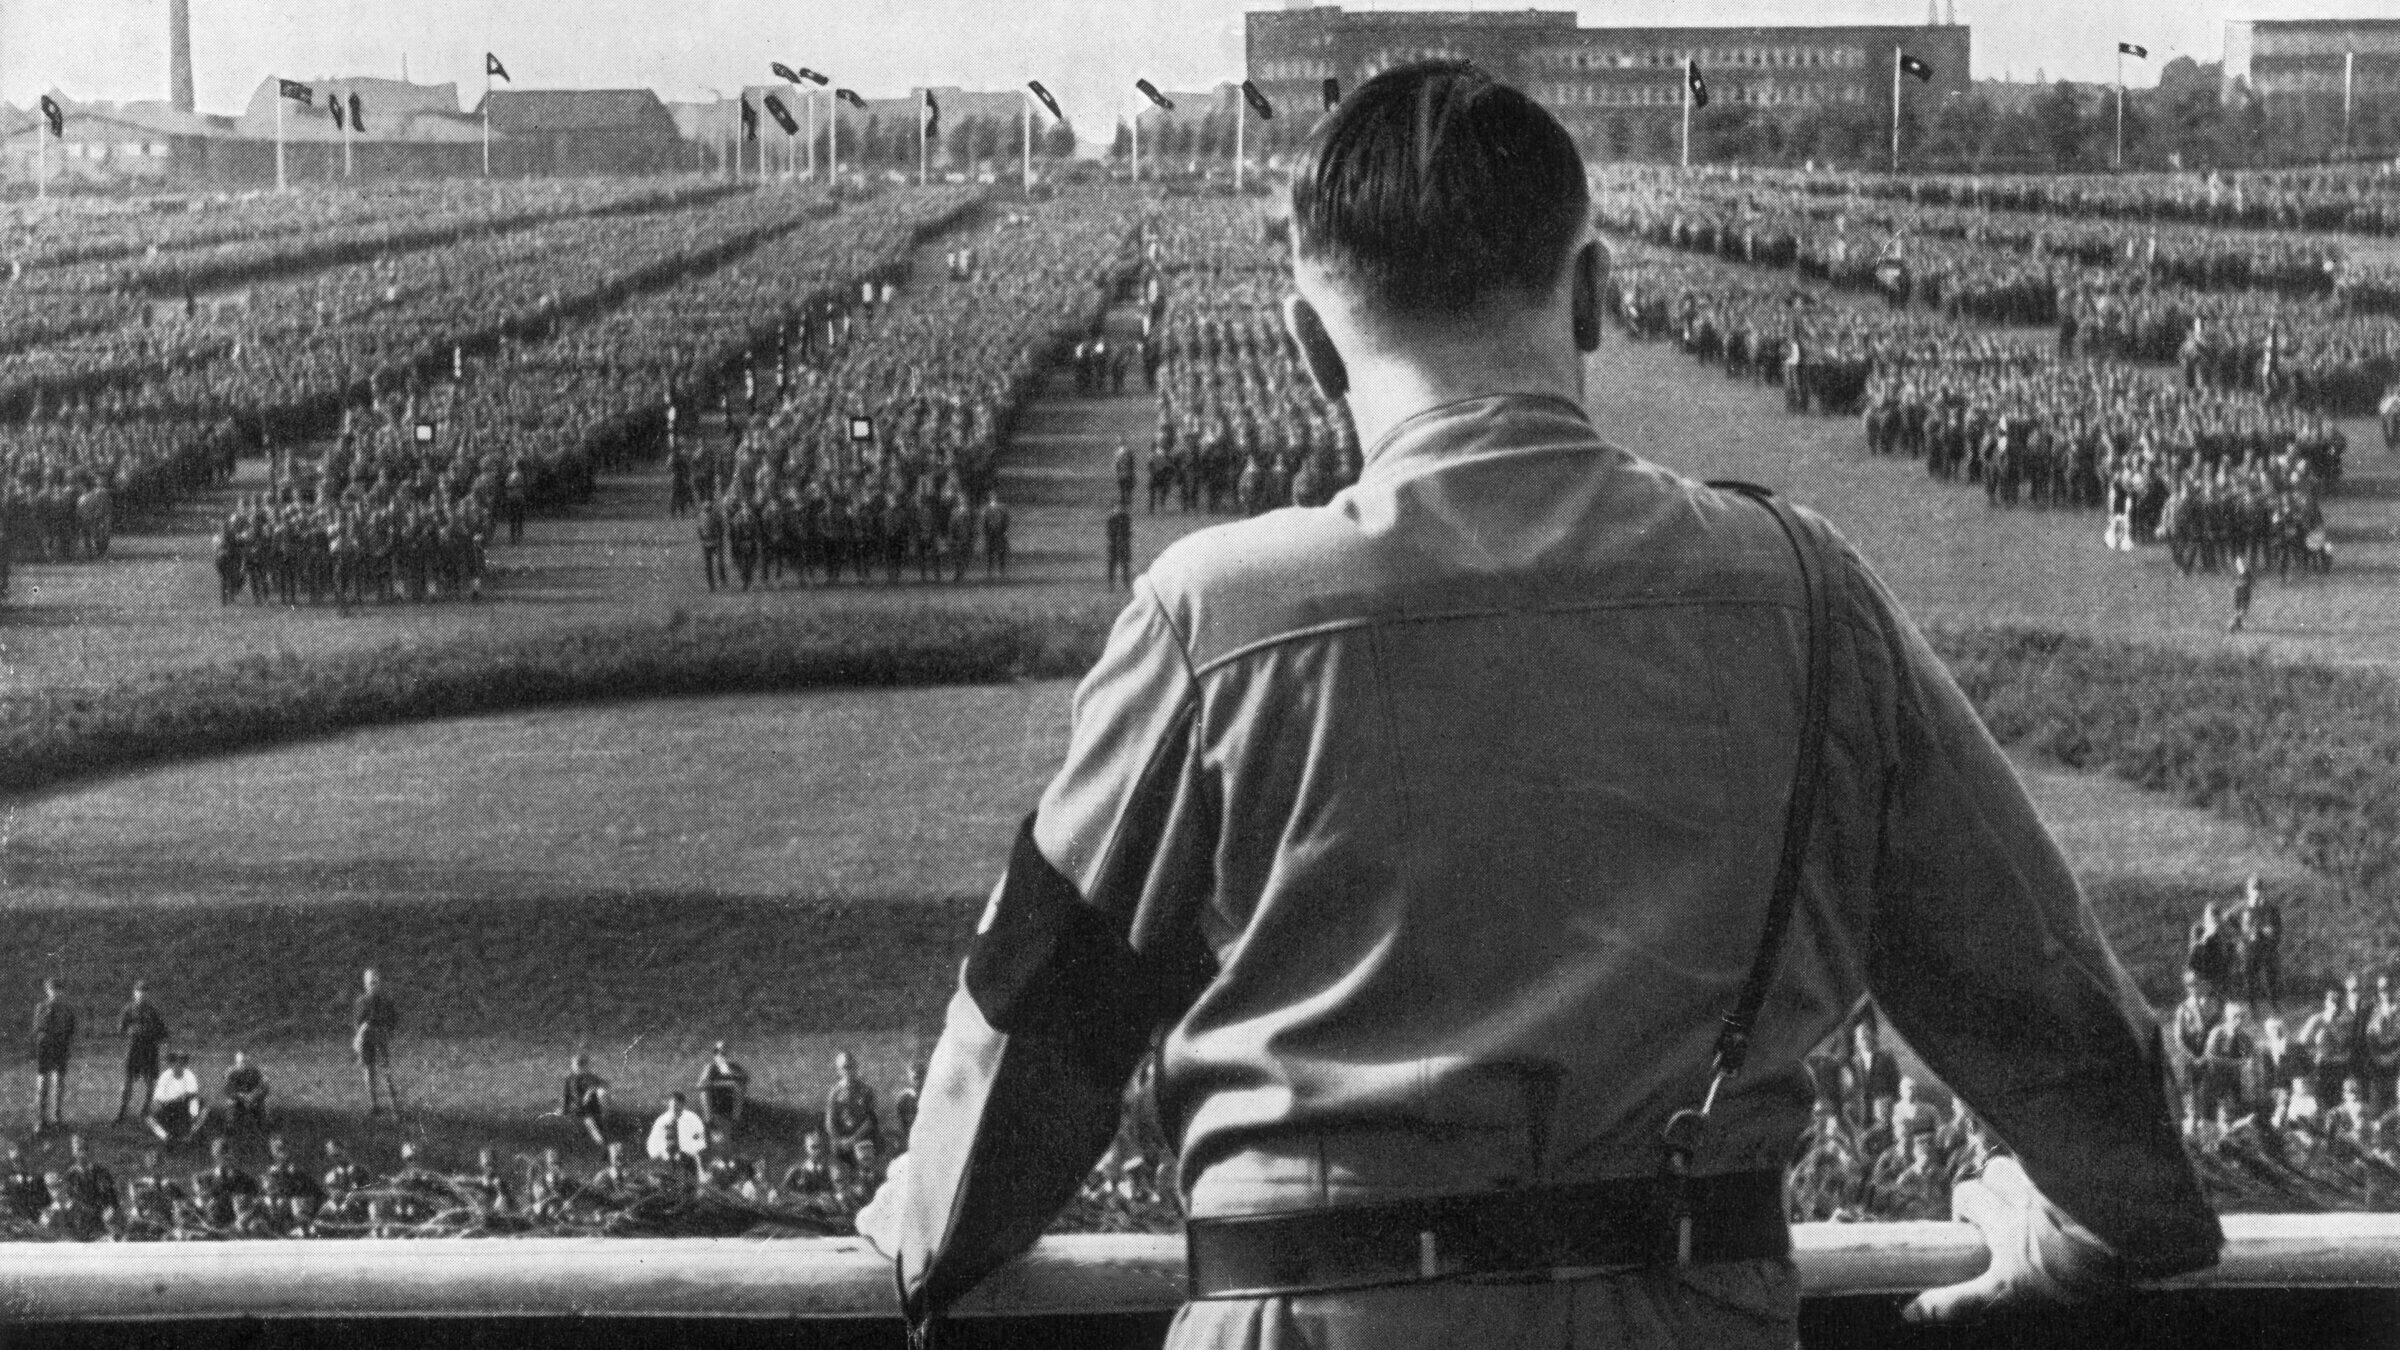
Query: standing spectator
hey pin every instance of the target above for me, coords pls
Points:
(1869, 1074)
(904, 1106)
(2379, 1046)
(373, 1018)
(2224, 1055)
(2211, 952)
(583, 1097)
(2244, 583)
(849, 1108)
(2262, 946)
(2188, 1043)
(245, 1093)
(724, 1089)
(1120, 547)
(679, 1133)
(177, 1110)
(53, 1045)
(145, 1031)
(994, 524)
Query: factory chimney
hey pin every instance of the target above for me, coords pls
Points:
(179, 54)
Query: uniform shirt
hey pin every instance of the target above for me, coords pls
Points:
(580, 1093)
(175, 1085)
(850, 1112)
(53, 1021)
(690, 1131)
(375, 1013)
(143, 1028)
(1458, 801)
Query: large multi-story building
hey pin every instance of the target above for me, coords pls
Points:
(2314, 63)
(1620, 90)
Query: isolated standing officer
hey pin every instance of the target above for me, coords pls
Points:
(373, 1019)
(1439, 940)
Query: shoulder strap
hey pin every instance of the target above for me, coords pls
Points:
(1733, 1042)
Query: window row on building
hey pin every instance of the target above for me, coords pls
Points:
(105, 150)
(1752, 58)
(1670, 95)
(1293, 70)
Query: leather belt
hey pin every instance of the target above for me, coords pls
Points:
(1625, 1223)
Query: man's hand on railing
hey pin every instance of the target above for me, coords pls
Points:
(2039, 1255)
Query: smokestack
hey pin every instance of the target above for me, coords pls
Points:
(179, 54)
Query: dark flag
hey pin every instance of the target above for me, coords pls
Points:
(1333, 92)
(1047, 101)
(1150, 92)
(295, 91)
(1258, 102)
(358, 116)
(492, 67)
(334, 103)
(1915, 67)
(55, 115)
(782, 116)
(811, 76)
(850, 96)
(2134, 49)
(785, 73)
(1691, 76)
(749, 121)
(933, 117)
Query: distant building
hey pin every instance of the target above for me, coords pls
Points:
(2304, 61)
(568, 132)
(103, 143)
(1619, 90)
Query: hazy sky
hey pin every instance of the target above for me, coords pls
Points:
(1087, 51)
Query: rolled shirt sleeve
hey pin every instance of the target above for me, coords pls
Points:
(1087, 946)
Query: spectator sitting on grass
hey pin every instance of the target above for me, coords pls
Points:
(678, 1133)
(613, 1180)
(26, 1193)
(343, 1173)
(809, 1181)
(245, 1094)
(849, 1107)
(216, 1188)
(177, 1110)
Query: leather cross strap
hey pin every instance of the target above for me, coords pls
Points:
(1800, 813)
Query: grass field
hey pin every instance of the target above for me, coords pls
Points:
(799, 871)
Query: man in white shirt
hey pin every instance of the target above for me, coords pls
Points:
(683, 1126)
(177, 1109)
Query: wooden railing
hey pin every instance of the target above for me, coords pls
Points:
(842, 1278)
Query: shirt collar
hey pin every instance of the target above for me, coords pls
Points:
(1487, 421)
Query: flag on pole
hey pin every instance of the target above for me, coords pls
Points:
(785, 73)
(1150, 92)
(811, 76)
(358, 116)
(932, 114)
(1258, 102)
(2134, 49)
(55, 116)
(782, 116)
(334, 102)
(1333, 92)
(295, 91)
(1047, 101)
(1915, 67)
(850, 96)
(493, 68)
(749, 121)
(1699, 87)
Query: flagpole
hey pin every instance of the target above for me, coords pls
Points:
(280, 183)
(833, 140)
(1025, 98)
(923, 98)
(41, 171)
(1895, 110)
(487, 114)
(1137, 145)
(2349, 67)
(2119, 161)
(811, 100)
(345, 146)
(1687, 109)
(1241, 121)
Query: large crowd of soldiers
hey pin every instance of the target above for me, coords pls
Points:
(380, 517)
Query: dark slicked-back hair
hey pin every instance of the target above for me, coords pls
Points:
(1433, 186)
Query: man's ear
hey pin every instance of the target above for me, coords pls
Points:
(1325, 368)
(1591, 290)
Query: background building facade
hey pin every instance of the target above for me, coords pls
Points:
(1619, 90)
